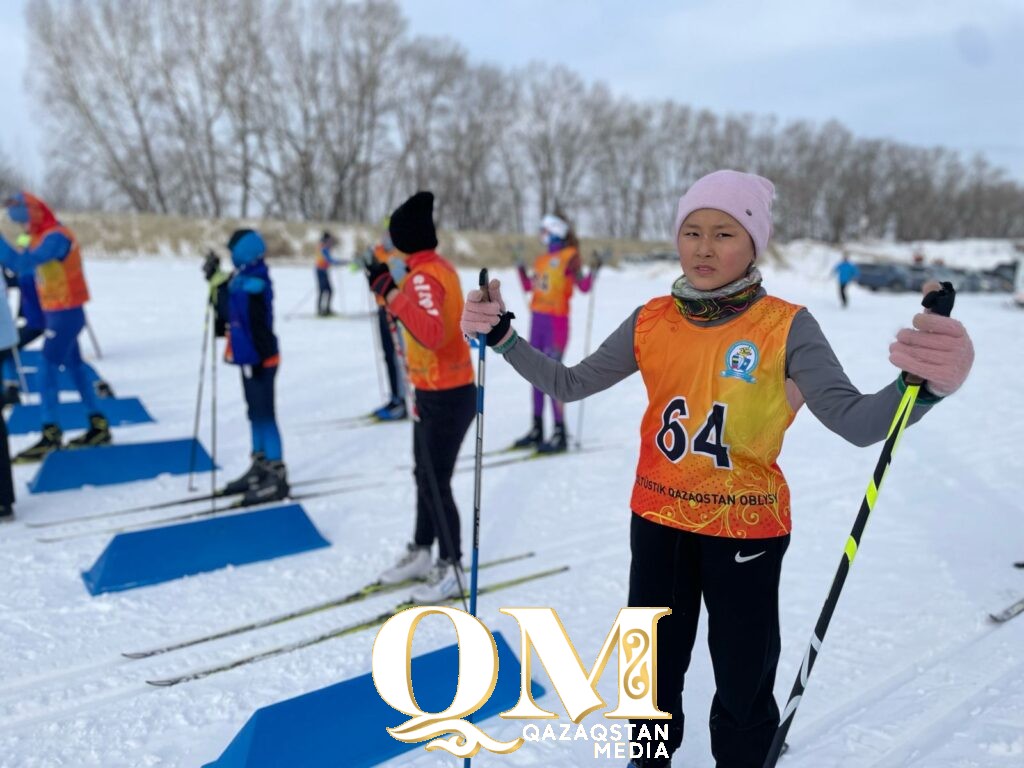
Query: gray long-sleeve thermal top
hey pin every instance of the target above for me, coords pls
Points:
(810, 363)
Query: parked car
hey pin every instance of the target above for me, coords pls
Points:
(967, 280)
(890, 277)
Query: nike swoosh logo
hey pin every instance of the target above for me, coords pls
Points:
(741, 559)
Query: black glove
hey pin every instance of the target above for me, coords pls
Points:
(497, 333)
(211, 265)
(379, 277)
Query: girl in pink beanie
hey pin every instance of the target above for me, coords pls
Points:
(726, 368)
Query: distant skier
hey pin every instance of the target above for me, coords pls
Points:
(244, 304)
(846, 272)
(53, 254)
(429, 304)
(555, 273)
(324, 261)
(726, 367)
(8, 339)
(393, 410)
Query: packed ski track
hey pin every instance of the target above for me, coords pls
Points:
(912, 672)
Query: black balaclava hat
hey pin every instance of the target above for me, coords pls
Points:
(412, 224)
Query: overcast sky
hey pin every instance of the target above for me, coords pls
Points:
(925, 72)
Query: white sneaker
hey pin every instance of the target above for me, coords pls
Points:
(442, 583)
(414, 564)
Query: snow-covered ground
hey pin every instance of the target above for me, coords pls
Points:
(911, 673)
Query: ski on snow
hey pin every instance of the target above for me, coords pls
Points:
(348, 629)
(234, 506)
(203, 497)
(502, 457)
(370, 590)
(1009, 612)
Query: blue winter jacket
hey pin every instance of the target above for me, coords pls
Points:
(250, 316)
(847, 272)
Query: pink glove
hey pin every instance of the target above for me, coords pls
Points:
(937, 349)
(479, 315)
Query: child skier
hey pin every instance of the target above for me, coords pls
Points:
(53, 254)
(324, 261)
(726, 366)
(555, 273)
(244, 304)
(429, 304)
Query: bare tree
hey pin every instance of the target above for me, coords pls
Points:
(328, 109)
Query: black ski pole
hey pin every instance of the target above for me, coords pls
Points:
(478, 468)
(481, 339)
(941, 303)
(199, 398)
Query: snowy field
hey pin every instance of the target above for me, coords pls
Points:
(911, 673)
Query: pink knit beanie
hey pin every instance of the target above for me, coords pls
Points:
(744, 196)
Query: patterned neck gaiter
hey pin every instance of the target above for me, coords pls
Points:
(705, 306)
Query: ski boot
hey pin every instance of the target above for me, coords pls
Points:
(248, 479)
(413, 564)
(12, 394)
(393, 411)
(557, 443)
(50, 441)
(97, 434)
(442, 583)
(534, 437)
(271, 486)
(6, 513)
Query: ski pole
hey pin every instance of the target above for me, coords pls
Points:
(940, 302)
(341, 293)
(298, 305)
(481, 340)
(21, 371)
(478, 468)
(213, 417)
(92, 338)
(377, 339)
(199, 398)
(586, 353)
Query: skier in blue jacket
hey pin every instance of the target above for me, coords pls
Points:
(244, 304)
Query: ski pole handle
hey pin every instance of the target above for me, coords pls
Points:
(938, 301)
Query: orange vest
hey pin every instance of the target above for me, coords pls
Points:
(552, 287)
(449, 365)
(61, 284)
(715, 420)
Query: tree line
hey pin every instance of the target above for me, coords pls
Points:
(334, 110)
